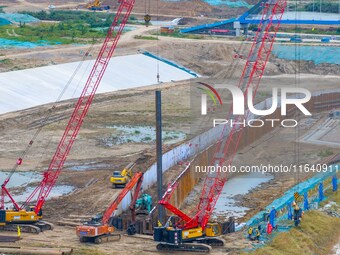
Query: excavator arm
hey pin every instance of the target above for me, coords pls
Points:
(137, 180)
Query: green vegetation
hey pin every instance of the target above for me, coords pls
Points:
(69, 27)
(2, 9)
(328, 7)
(317, 235)
(316, 30)
(177, 34)
(325, 153)
(145, 37)
(92, 19)
(63, 32)
(5, 61)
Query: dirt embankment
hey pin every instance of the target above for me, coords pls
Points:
(190, 8)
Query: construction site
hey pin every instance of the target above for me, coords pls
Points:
(169, 127)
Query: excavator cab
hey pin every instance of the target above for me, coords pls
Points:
(120, 179)
(95, 220)
(144, 204)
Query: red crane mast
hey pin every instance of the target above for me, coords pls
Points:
(228, 143)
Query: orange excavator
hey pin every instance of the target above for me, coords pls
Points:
(99, 228)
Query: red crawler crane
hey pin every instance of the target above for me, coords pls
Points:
(196, 228)
(28, 216)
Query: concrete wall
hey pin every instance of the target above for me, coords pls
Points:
(320, 101)
(204, 145)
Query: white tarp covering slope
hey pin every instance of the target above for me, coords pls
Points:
(31, 87)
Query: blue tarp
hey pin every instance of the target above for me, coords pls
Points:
(170, 63)
(4, 22)
(321, 192)
(335, 183)
(317, 54)
(231, 4)
(305, 201)
(5, 43)
(289, 211)
(7, 18)
(288, 196)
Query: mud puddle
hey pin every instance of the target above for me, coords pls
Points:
(226, 205)
(140, 134)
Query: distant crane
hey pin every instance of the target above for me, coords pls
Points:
(29, 218)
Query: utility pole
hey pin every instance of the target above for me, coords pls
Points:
(159, 154)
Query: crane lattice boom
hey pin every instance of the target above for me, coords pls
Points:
(228, 142)
(82, 106)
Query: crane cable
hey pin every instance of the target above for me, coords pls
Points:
(297, 57)
(147, 16)
(158, 31)
(48, 114)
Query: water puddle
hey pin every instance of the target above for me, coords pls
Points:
(140, 134)
(238, 185)
(57, 191)
(21, 180)
(89, 166)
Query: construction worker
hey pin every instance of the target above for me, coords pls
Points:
(297, 214)
(257, 234)
(250, 232)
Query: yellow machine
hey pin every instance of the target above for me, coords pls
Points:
(21, 216)
(211, 230)
(96, 6)
(120, 179)
(28, 220)
(193, 239)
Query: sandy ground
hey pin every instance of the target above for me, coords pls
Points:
(191, 9)
(210, 57)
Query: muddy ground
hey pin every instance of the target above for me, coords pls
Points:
(210, 57)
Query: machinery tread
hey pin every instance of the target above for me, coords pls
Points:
(189, 247)
(25, 228)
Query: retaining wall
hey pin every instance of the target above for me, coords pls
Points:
(203, 146)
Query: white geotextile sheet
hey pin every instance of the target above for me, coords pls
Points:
(32, 87)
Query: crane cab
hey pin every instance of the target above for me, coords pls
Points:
(213, 229)
(22, 216)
